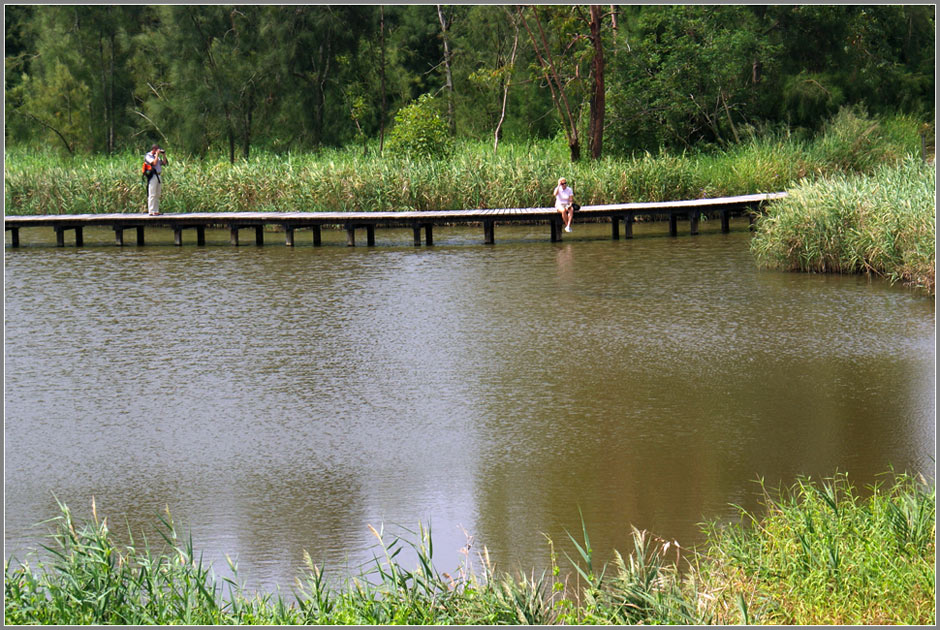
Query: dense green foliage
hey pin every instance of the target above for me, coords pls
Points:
(206, 79)
(420, 131)
(520, 175)
(820, 554)
(883, 224)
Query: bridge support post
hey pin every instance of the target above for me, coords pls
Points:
(628, 225)
(673, 227)
(615, 228)
(428, 234)
(79, 240)
(288, 236)
(200, 235)
(178, 236)
(59, 236)
(119, 236)
(259, 235)
(370, 235)
(316, 236)
(233, 235)
(556, 230)
(140, 236)
(489, 232)
(15, 237)
(417, 235)
(725, 221)
(693, 222)
(350, 235)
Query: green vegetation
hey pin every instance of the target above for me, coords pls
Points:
(884, 224)
(820, 554)
(613, 80)
(861, 200)
(520, 175)
(420, 131)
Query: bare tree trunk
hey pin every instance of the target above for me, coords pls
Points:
(613, 25)
(506, 83)
(560, 99)
(110, 95)
(382, 75)
(246, 126)
(106, 101)
(598, 102)
(734, 129)
(50, 128)
(449, 77)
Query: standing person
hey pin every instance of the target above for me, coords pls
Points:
(156, 158)
(564, 200)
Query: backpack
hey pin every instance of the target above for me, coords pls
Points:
(146, 171)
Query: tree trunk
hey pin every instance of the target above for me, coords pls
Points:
(382, 75)
(246, 132)
(598, 97)
(613, 26)
(506, 82)
(551, 73)
(449, 85)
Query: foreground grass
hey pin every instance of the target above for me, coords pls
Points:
(819, 554)
(883, 223)
(519, 175)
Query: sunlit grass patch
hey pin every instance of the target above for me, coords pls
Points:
(823, 555)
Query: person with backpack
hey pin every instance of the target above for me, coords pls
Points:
(154, 162)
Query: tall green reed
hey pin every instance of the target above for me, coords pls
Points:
(824, 555)
(820, 553)
(518, 175)
(884, 224)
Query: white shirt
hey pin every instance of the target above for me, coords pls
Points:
(564, 195)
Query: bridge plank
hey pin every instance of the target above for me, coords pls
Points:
(292, 220)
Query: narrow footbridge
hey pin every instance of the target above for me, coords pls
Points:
(290, 222)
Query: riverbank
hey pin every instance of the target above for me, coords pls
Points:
(862, 200)
(518, 176)
(819, 554)
(883, 224)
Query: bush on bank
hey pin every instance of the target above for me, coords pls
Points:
(883, 224)
(819, 554)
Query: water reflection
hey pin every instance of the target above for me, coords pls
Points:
(279, 400)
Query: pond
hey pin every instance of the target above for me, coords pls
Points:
(279, 400)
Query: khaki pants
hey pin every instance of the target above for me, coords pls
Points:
(154, 188)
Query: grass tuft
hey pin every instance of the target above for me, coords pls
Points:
(819, 554)
(883, 224)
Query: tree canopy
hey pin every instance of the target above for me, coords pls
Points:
(230, 79)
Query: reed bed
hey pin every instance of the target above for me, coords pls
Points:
(820, 554)
(521, 174)
(883, 224)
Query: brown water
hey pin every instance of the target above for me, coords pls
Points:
(279, 400)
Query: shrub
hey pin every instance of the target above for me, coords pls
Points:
(420, 131)
(852, 141)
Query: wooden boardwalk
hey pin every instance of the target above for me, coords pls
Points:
(625, 213)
